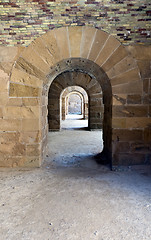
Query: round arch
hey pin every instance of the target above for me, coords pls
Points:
(70, 90)
(93, 90)
(85, 49)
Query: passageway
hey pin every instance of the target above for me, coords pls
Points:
(74, 145)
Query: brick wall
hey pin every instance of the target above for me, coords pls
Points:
(24, 20)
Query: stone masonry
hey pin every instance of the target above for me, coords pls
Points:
(109, 41)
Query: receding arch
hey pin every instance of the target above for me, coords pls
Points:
(64, 95)
(85, 49)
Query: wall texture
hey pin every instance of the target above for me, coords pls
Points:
(23, 21)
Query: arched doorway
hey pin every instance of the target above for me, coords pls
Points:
(83, 49)
(64, 99)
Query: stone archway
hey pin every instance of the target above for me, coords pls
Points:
(91, 86)
(78, 48)
(64, 98)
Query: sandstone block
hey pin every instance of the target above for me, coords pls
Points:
(49, 40)
(116, 57)
(14, 102)
(30, 101)
(10, 124)
(18, 90)
(119, 122)
(9, 137)
(12, 149)
(32, 161)
(3, 81)
(33, 150)
(42, 50)
(130, 111)
(147, 134)
(30, 125)
(3, 98)
(75, 35)
(131, 159)
(119, 99)
(31, 56)
(127, 135)
(145, 68)
(129, 76)
(146, 85)
(88, 34)
(124, 65)
(8, 54)
(98, 43)
(135, 87)
(134, 99)
(12, 112)
(24, 65)
(140, 52)
(138, 122)
(19, 76)
(63, 42)
(110, 46)
(140, 147)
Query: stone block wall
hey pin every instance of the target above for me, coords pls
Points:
(122, 72)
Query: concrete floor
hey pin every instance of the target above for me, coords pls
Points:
(71, 197)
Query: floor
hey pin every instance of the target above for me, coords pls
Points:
(71, 197)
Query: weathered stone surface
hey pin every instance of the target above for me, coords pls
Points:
(119, 122)
(124, 65)
(30, 125)
(75, 35)
(49, 39)
(31, 56)
(42, 50)
(119, 99)
(140, 147)
(3, 98)
(146, 85)
(19, 90)
(26, 66)
(33, 150)
(110, 46)
(135, 87)
(63, 42)
(129, 76)
(134, 99)
(138, 122)
(88, 34)
(10, 125)
(130, 111)
(147, 134)
(98, 44)
(30, 101)
(12, 112)
(147, 99)
(1, 112)
(140, 52)
(8, 54)
(131, 159)
(3, 81)
(145, 68)
(126, 135)
(115, 58)
(14, 102)
(25, 78)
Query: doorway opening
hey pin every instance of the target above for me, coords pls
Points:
(75, 98)
(74, 108)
